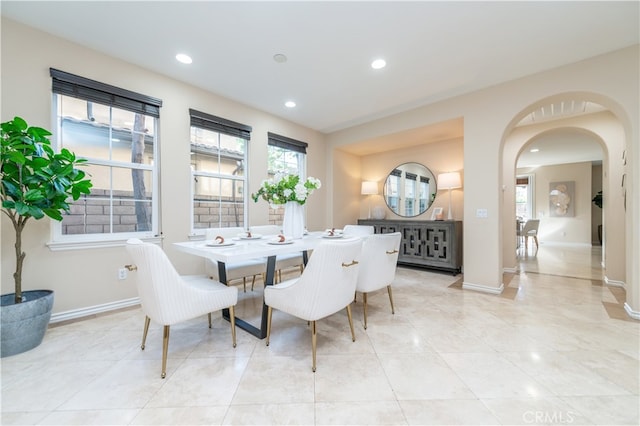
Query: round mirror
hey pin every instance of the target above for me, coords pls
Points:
(410, 189)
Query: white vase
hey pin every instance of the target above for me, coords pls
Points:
(293, 222)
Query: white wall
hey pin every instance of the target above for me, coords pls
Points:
(575, 229)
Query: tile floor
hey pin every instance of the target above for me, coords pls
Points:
(546, 351)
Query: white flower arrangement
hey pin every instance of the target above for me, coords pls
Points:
(284, 188)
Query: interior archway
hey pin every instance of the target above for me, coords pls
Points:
(569, 242)
(590, 117)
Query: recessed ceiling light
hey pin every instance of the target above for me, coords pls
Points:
(185, 59)
(378, 63)
(290, 104)
(534, 150)
(280, 58)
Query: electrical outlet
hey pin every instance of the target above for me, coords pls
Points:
(122, 273)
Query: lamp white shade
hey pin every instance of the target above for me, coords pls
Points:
(450, 180)
(369, 188)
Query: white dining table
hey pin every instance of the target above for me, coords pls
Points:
(245, 249)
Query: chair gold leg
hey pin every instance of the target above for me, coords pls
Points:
(353, 334)
(313, 344)
(209, 316)
(269, 310)
(232, 319)
(253, 282)
(390, 299)
(165, 349)
(364, 304)
(147, 321)
(244, 284)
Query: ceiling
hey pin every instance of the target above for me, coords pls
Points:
(434, 50)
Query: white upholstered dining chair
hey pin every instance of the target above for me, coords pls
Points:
(236, 270)
(357, 230)
(168, 298)
(530, 229)
(378, 263)
(325, 287)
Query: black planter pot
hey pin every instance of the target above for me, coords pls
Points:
(22, 325)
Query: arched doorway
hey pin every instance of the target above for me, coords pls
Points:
(570, 158)
(584, 116)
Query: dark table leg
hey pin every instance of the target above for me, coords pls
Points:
(261, 332)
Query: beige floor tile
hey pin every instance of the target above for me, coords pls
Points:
(492, 376)
(180, 416)
(360, 413)
(276, 379)
(270, 414)
(453, 412)
(200, 382)
(423, 376)
(535, 411)
(90, 417)
(351, 378)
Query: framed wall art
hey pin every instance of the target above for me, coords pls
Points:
(561, 199)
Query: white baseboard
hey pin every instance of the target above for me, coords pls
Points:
(483, 288)
(513, 270)
(92, 310)
(633, 314)
(614, 283)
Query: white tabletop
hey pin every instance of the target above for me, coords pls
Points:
(245, 249)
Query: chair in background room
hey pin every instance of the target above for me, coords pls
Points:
(530, 229)
(237, 270)
(378, 262)
(325, 287)
(357, 230)
(283, 261)
(168, 298)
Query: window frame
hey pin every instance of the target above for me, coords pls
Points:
(221, 126)
(70, 85)
(275, 140)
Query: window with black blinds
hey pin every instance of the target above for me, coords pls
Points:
(219, 124)
(287, 143)
(75, 86)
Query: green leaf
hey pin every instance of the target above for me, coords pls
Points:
(22, 208)
(53, 214)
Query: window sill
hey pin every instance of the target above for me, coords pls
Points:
(91, 244)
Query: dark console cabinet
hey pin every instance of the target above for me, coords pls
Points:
(426, 243)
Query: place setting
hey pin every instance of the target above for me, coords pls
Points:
(332, 233)
(248, 235)
(219, 241)
(280, 240)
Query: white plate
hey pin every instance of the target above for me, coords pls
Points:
(252, 237)
(276, 241)
(332, 236)
(216, 244)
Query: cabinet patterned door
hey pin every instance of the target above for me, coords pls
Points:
(412, 246)
(437, 244)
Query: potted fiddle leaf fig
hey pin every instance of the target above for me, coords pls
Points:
(36, 182)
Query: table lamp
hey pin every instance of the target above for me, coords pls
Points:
(450, 180)
(369, 188)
